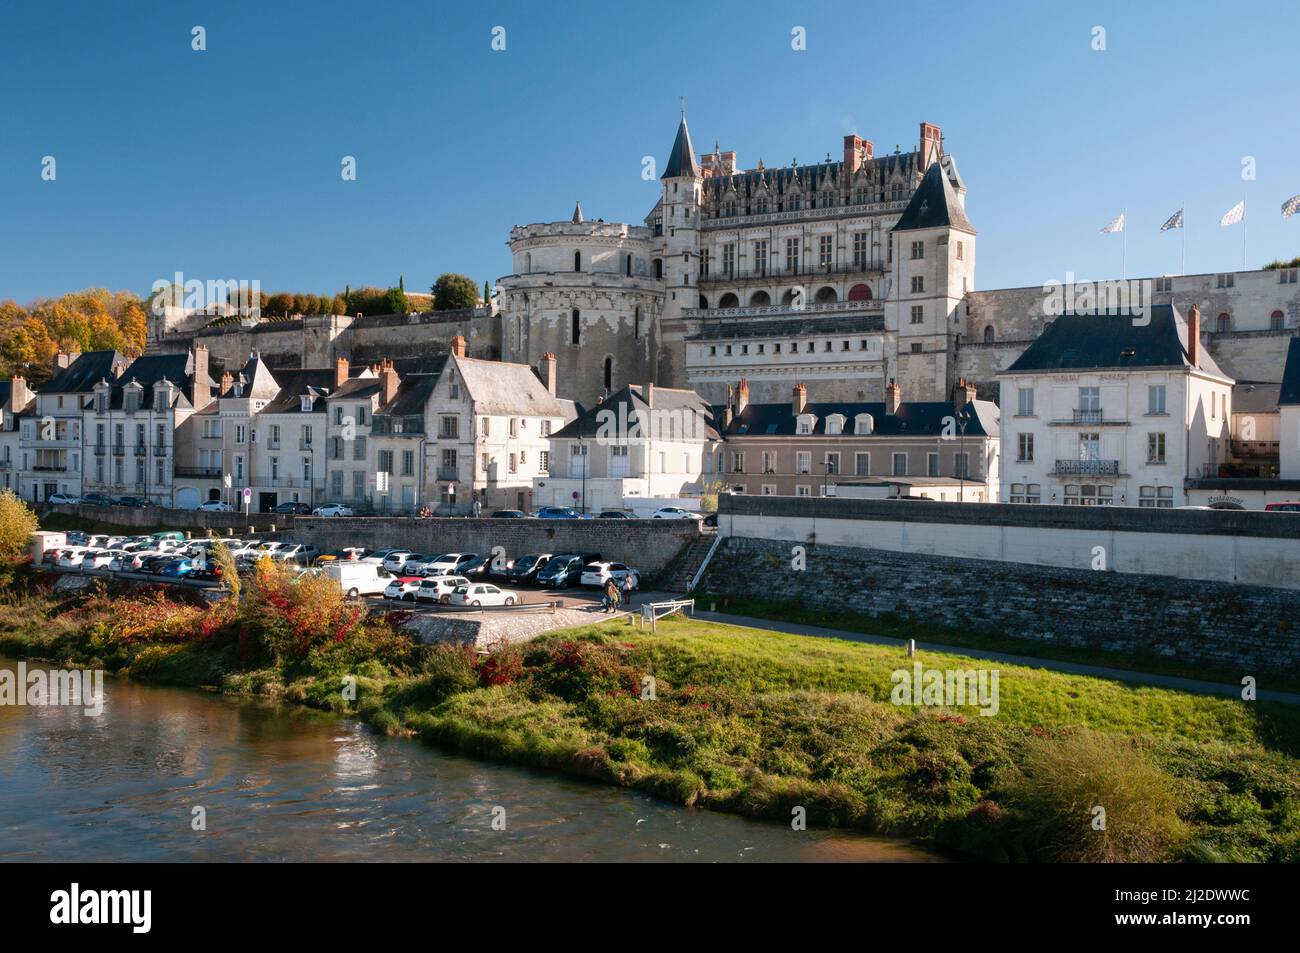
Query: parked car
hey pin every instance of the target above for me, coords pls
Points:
(138, 502)
(613, 515)
(155, 563)
(595, 574)
(403, 587)
(209, 572)
(100, 559)
(563, 571)
(62, 498)
(332, 509)
(509, 515)
(476, 568)
(558, 513)
(357, 579)
(346, 554)
(169, 534)
(216, 506)
(1287, 507)
(524, 570)
(675, 513)
(70, 556)
(298, 509)
(447, 564)
(482, 594)
(711, 519)
(97, 499)
(397, 559)
(179, 568)
(379, 555)
(439, 588)
(298, 553)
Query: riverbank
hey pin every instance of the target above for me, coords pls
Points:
(752, 722)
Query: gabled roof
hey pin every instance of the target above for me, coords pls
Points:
(147, 370)
(294, 384)
(1101, 341)
(358, 387)
(498, 387)
(628, 401)
(414, 390)
(81, 376)
(1290, 391)
(258, 380)
(681, 161)
(917, 418)
(1255, 397)
(934, 204)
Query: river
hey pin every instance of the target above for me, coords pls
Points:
(277, 783)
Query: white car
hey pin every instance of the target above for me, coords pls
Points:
(299, 553)
(404, 588)
(396, 561)
(216, 506)
(445, 565)
(439, 588)
(101, 559)
(595, 574)
(675, 513)
(482, 594)
(62, 498)
(332, 509)
(70, 557)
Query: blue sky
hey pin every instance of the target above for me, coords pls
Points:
(225, 164)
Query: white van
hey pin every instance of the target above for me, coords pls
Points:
(358, 578)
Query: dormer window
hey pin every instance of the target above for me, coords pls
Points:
(864, 424)
(835, 424)
(805, 424)
(307, 401)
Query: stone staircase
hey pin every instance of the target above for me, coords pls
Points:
(681, 572)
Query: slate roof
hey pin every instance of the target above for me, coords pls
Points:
(630, 399)
(812, 178)
(1289, 392)
(294, 384)
(917, 418)
(414, 390)
(788, 328)
(1100, 341)
(81, 376)
(147, 370)
(1253, 397)
(934, 204)
(504, 388)
(358, 387)
(258, 380)
(681, 161)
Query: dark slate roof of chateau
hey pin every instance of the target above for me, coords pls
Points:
(934, 204)
(912, 419)
(681, 161)
(1290, 390)
(147, 370)
(81, 376)
(813, 177)
(788, 328)
(1096, 341)
(629, 399)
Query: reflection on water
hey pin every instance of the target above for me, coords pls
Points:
(285, 784)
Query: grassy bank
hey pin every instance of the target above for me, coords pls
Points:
(747, 721)
(892, 626)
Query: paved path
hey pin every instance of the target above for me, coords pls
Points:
(1072, 668)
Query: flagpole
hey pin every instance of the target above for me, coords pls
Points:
(1182, 251)
(1243, 233)
(1124, 246)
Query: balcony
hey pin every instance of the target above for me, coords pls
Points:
(119, 450)
(724, 277)
(1090, 418)
(449, 474)
(305, 445)
(202, 473)
(160, 450)
(873, 306)
(51, 468)
(140, 450)
(273, 445)
(1086, 468)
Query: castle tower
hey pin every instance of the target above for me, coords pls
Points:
(677, 231)
(933, 269)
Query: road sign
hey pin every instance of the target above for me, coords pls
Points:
(381, 481)
(451, 489)
(226, 481)
(248, 493)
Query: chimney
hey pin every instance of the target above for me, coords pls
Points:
(729, 411)
(227, 382)
(648, 394)
(893, 397)
(458, 345)
(546, 371)
(852, 154)
(799, 398)
(61, 360)
(340, 372)
(963, 395)
(742, 396)
(388, 381)
(930, 144)
(1194, 336)
(19, 395)
(202, 382)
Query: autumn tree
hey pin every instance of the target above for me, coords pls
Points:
(17, 524)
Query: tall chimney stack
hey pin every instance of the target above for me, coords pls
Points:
(227, 382)
(19, 394)
(458, 345)
(546, 371)
(340, 372)
(893, 397)
(1194, 336)
(799, 398)
(931, 139)
(963, 395)
(202, 382)
(742, 396)
(852, 154)
(388, 381)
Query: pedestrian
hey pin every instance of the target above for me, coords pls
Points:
(628, 587)
(478, 507)
(611, 594)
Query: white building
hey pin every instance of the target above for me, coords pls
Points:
(1113, 410)
(16, 400)
(1288, 403)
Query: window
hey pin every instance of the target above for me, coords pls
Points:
(449, 462)
(961, 466)
(546, 428)
(385, 461)
(1025, 405)
(803, 489)
(859, 249)
(514, 427)
(961, 251)
(792, 256)
(1224, 323)
(1156, 497)
(1276, 321)
(1090, 400)
(1026, 448)
(361, 419)
(358, 484)
(338, 415)
(918, 250)
(359, 448)
(1088, 495)
(485, 428)
(918, 313)
(918, 284)
(760, 258)
(737, 463)
(544, 461)
(575, 328)
(239, 433)
(1156, 399)
(450, 428)
(1164, 285)
(932, 464)
(832, 464)
(704, 263)
(1026, 493)
(769, 461)
(1224, 281)
(1155, 448)
(917, 348)
(336, 483)
(485, 463)
(862, 464)
(1286, 276)
(514, 466)
(577, 261)
(729, 259)
(825, 245)
(899, 467)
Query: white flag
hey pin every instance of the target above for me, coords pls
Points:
(1234, 214)
(1115, 226)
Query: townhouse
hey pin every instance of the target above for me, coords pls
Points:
(642, 441)
(16, 400)
(399, 440)
(1288, 404)
(1114, 410)
(936, 449)
(351, 407)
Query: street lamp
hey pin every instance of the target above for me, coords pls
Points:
(582, 455)
(963, 419)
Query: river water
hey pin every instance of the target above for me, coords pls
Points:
(284, 784)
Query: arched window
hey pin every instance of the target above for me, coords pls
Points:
(609, 374)
(988, 334)
(1276, 321)
(575, 328)
(659, 267)
(860, 293)
(628, 266)
(577, 261)
(704, 302)
(1225, 322)
(528, 263)
(760, 299)
(728, 300)
(827, 295)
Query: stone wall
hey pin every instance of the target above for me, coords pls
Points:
(131, 517)
(646, 545)
(1247, 629)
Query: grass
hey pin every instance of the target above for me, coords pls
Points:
(760, 723)
(892, 626)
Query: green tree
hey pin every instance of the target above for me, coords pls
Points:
(395, 301)
(487, 293)
(17, 524)
(453, 292)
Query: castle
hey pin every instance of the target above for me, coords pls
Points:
(840, 275)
